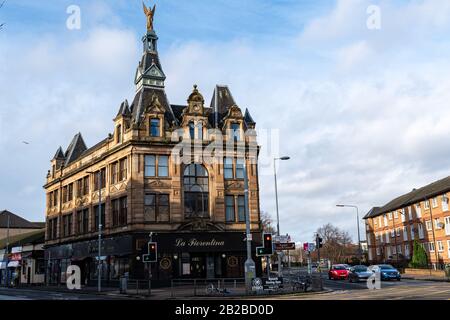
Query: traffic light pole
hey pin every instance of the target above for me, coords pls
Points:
(318, 244)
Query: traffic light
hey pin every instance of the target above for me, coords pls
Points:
(153, 251)
(268, 244)
(319, 242)
(260, 252)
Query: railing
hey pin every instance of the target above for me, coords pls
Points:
(207, 287)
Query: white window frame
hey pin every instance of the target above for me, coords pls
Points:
(405, 233)
(385, 220)
(418, 211)
(434, 202)
(447, 227)
(440, 246)
(403, 215)
(437, 223)
(396, 214)
(428, 225)
(379, 251)
(407, 250)
(426, 204)
(448, 249)
(431, 247)
(410, 216)
(390, 215)
(421, 231)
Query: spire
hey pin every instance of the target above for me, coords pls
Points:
(124, 109)
(149, 72)
(75, 149)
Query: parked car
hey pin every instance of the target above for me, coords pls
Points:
(338, 272)
(386, 271)
(347, 266)
(359, 273)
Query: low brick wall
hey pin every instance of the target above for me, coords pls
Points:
(425, 272)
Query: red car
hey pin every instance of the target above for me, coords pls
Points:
(338, 272)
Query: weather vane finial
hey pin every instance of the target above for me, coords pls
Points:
(150, 15)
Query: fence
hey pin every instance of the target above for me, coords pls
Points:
(207, 287)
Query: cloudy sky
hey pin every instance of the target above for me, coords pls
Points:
(364, 113)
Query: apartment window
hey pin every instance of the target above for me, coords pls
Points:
(85, 221)
(379, 221)
(375, 222)
(155, 130)
(435, 202)
(393, 233)
(378, 251)
(67, 225)
(119, 134)
(410, 213)
(163, 166)
(64, 194)
(426, 204)
(230, 209)
(403, 215)
(398, 232)
(199, 131)
(152, 163)
(241, 208)
(394, 250)
(447, 226)
(79, 188)
(114, 173)
(192, 130)
(390, 215)
(396, 214)
(119, 212)
(102, 215)
(156, 207)
(236, 131)
(150, 166)
(85, 185)
(431, 246)
(448, 248)
(421, 231)
(437, 223)
(228, 168)
(412, 232)
(444, 203)
(123, 169)
(52, 229)
(405, 233)
(399, 249)
(440, 246)
(429, 225)
(385, 220)
(407, 250)
(418, 211)
(239, 168)
(79, 222)
(97, 175)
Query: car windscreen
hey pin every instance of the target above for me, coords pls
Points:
(386, 267)
(339, 268)
(360, 269)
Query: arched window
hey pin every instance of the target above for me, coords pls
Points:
(155, 127)
(196, 192)
(119, 134)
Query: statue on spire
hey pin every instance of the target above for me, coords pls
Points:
(150, 14)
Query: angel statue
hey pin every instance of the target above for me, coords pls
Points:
(150, 14)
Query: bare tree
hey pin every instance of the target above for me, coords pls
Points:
(337, 244)
(1, 5)
(267, 223)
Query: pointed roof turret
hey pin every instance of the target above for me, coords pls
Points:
(59, 155)
(75, 149)
(248, 118)
(124, 110)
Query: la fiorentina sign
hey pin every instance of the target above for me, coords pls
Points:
(193, 242)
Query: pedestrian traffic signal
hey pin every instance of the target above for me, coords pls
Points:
(153, 251)
(268, 243)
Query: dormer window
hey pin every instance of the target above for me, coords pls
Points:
(155, 130)
(236, 131)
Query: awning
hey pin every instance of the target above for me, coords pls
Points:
(2, 265)
(13, 264)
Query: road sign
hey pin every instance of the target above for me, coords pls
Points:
(285, 246)
(309, 247)
(282, 239)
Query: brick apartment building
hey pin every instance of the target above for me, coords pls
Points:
(422, 214)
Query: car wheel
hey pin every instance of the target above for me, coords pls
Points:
(399, 279)
(350, 280)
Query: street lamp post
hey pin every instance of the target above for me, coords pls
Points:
(250, 268)
(357, 224)
(276, 201)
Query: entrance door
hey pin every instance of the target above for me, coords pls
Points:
(198, 269)
(210, 268)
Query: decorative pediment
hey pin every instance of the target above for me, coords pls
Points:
(155, 106)
(154, 72)
(159, 184)
(235, 113)
(200, 224)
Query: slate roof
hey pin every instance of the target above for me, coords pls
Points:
(430, 191)
(124, 109)
(75, 149)
(59, 154)
(143, 99)
(28, 238)
(16, 222)
(221, 101)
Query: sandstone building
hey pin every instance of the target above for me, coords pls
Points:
(194, 205)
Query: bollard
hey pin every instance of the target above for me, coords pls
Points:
(171, 288)
(137, 287)
(195, 287)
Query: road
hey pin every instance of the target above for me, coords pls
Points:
(30, 294)
(390, 290)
